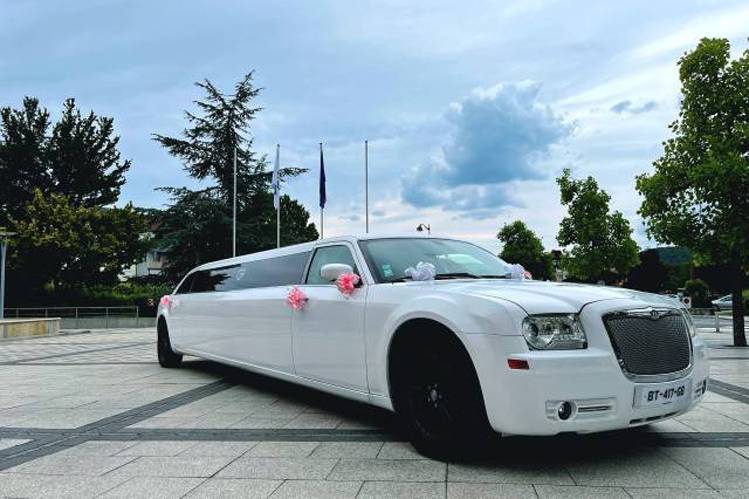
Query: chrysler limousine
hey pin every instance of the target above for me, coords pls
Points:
(445, 334)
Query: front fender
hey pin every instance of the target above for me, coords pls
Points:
(389, 308)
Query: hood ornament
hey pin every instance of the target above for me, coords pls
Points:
(649, 312)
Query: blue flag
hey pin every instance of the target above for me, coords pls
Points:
(323, 197)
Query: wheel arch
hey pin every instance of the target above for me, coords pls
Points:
(414, 326)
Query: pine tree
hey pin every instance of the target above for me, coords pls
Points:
(197, 227)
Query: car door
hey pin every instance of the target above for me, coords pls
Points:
(328, 332)
(199, 313)
(256, 316)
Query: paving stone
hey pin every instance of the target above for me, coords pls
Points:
(157, 449)
(97, 448)
(60, 464)
(359, 450)
(148, 488)
(389, 469)
(311, 420)
(316, 489)
(665, 493)
(509, 473)
(703, 419)
(406, 490)
(579, 492)
(744, 451)
(489, 490)
(398, 450)
(217, 449)
(282, 449)
(174, 466)
(240, 488)
(49, 486)
(635, 469)
(281, 468)
(736, 493)
(720, 468)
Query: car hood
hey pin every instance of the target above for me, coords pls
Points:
(537, 297)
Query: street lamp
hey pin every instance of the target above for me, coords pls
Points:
(4, 237)
(421, 227)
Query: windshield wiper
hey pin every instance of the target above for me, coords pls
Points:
(453, 275)
(457, 275)
(468, 275)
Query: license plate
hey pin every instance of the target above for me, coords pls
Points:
(653, 395)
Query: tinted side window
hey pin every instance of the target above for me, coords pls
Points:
(326, 255)
(221, 279)
(186, 285)
(279, 271)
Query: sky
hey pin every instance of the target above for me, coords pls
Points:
(471, 109)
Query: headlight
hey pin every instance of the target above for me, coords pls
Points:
(690, 323)
(554, 332)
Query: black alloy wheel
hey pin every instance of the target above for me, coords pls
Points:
(439, 401)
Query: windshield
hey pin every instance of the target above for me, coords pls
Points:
(389, 258)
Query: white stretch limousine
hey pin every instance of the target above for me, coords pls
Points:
(442, 332)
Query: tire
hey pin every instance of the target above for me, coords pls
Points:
(167, 357)
(438, 398)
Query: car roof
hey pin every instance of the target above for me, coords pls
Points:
(308, 246)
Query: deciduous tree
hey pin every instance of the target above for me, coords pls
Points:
(521, 245)
(697, 194)
(62, 245)
(599, 242)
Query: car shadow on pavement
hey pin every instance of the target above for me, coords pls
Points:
(315, 400)
(509, 452)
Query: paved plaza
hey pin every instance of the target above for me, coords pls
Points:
(88, 415)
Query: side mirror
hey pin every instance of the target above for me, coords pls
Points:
(332, 271)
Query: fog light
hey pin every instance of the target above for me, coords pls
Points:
(564, 411)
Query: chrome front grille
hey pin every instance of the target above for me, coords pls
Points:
(650, 342)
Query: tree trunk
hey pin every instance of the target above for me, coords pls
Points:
(737, 288)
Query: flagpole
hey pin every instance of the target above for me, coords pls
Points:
(322, 203)
(234, 209)
(366, 186)
(278, 210)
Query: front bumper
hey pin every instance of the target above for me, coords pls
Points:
(525, 402)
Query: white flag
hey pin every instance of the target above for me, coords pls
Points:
(276, 181)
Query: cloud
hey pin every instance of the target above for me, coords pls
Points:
(498, 135)
(626, 106)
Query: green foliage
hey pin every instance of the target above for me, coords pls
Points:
(61, 245)
(676, 276)
(696, 197)
(78, 158)
(698, 291)
(521, 245)
(600, 243)
(197, 226)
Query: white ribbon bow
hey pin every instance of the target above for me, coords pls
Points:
(422, 272)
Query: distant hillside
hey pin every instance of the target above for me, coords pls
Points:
(673, 256)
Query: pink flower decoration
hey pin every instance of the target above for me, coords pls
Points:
(346, 283)
(296, 298)
(165, 302)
